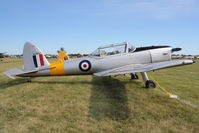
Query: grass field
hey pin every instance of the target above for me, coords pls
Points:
(98, 104)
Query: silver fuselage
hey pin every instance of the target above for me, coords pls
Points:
(101, 63)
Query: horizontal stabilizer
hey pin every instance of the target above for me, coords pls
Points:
(16, 72)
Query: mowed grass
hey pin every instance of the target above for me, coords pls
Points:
(98, 104)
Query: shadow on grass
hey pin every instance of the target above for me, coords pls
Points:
(108, 99)
(11, 83)
(19, 81)
(61, 82)
(86, 82)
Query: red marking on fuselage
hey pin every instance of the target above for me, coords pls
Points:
(84, 65)
(41, 59)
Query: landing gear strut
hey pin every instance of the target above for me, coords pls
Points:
(148, 83)
(29, 79)
(134, 76)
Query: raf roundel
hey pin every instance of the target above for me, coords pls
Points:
(85, 65)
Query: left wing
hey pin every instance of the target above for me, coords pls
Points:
(133, 68)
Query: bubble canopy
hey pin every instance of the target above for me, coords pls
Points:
(113, 49)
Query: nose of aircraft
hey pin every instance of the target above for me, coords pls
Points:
(176, 49)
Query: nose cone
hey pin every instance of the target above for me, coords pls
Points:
(176, 49)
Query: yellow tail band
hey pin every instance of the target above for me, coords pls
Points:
(57, 69)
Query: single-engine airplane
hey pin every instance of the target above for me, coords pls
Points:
(114, 59)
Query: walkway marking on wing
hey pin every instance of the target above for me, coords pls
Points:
(175, 96)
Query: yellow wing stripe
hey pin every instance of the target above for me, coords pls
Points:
(57, 69)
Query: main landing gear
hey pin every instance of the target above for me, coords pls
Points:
(148, 83)
(134, 76)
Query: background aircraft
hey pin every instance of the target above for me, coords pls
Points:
(107, 60)
(2, 55)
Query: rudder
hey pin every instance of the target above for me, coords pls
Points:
(33, 58)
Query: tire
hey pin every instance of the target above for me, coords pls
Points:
(134, 76)
(150, 84)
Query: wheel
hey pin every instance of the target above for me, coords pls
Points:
(134, 76)
(150, 84)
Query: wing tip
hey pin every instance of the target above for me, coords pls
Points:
(9, 75)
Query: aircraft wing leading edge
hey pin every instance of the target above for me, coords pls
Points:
(133, 68)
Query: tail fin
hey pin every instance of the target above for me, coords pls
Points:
(63, 56)
(33, 58)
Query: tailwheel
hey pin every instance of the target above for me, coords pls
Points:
(134, 76)
(150, 84)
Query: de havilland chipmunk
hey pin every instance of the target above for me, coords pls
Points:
(114, 59)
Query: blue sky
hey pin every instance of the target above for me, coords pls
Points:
(80, 26)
